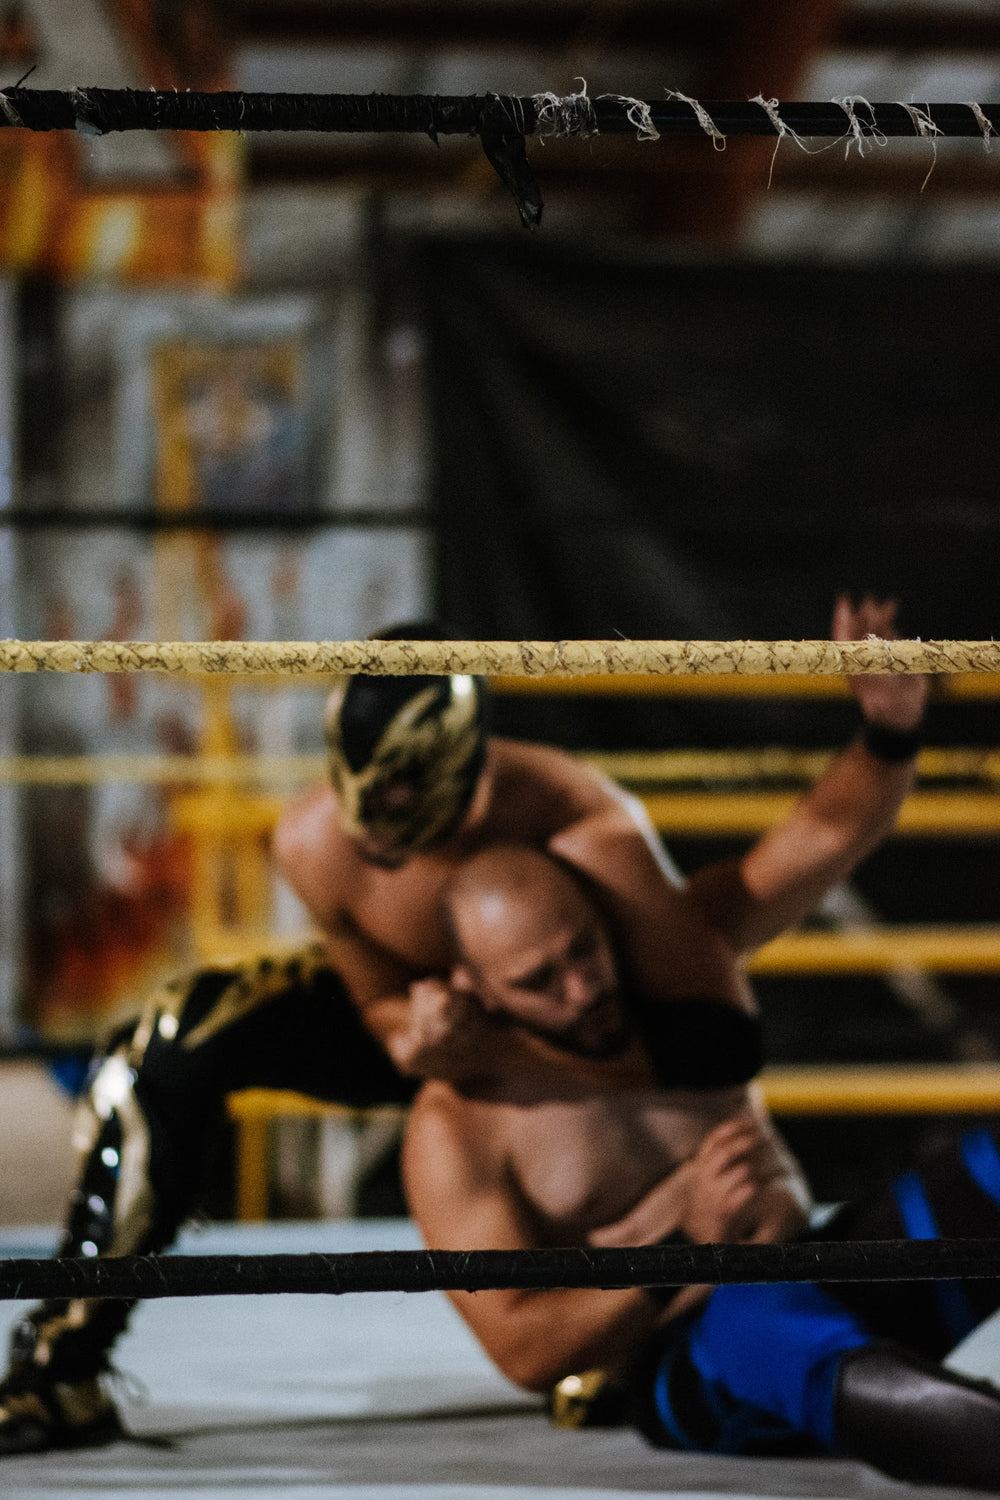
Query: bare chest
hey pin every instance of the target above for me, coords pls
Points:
(586, 1165)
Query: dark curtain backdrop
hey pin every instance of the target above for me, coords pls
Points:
(664, 449)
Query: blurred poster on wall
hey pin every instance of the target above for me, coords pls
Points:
(231, 425)
(129, 875)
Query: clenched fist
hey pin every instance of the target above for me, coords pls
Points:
(446, 1032)
(743, 1186)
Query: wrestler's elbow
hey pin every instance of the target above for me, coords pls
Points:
(531, 1368)
(286, 845)
(527, 1356)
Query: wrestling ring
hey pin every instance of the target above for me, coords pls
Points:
(322, 1394)
(316, 1392)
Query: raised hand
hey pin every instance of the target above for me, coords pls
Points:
(446, 1033)
(896, 700)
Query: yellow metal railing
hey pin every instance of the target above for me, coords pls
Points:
(252, 1112)
(970, 949)
(646, 767)
(923, 815)
(869, 1090)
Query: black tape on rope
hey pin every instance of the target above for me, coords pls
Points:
(501, 121)
(99, 111)
(149, 1276)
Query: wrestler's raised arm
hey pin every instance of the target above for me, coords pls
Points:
(840, 820)
(464, 1195)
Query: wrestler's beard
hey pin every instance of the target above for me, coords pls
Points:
(572, 1039)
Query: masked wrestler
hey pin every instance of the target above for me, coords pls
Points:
(567, 1136)
(416, 787)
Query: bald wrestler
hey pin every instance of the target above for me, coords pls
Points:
(565, 1136)
(371, 853)
(416, 786)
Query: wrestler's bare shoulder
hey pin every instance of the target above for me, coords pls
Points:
(313, 853)
(449, 1131)
(539, 790)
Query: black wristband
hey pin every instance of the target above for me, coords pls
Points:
(890, 745)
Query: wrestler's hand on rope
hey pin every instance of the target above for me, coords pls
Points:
(841, 819)
(445, 1032)
(895, 700)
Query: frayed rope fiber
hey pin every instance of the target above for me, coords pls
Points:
(102, 111)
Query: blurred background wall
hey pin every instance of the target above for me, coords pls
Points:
(301, 386)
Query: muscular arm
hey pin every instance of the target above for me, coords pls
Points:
(779, 882)
(376, 980)
(849, 810)
(668, 947)
(309, 850)
(463, 1195)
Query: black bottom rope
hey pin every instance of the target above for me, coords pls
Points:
(138, 1276)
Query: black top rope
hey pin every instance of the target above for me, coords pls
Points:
(100, 111)
(147, 1276)
(502, 121)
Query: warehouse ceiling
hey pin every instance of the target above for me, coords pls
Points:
(711, 49)
(820, 201)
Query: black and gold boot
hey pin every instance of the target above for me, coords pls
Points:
(49, 1398)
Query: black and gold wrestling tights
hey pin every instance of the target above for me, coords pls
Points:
(158, 1092)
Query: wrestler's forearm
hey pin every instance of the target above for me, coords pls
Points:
(433, 1032)
(834, 826)
(857, 799)
(538, 1338)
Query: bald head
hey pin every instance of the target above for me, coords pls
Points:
(502, 894)
(535, 947)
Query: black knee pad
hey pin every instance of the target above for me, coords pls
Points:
(915, 1420)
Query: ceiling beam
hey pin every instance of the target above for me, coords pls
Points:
(766, 50)
(501, 27)
(624, 167)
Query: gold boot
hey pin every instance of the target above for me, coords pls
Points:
(592, 1399)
